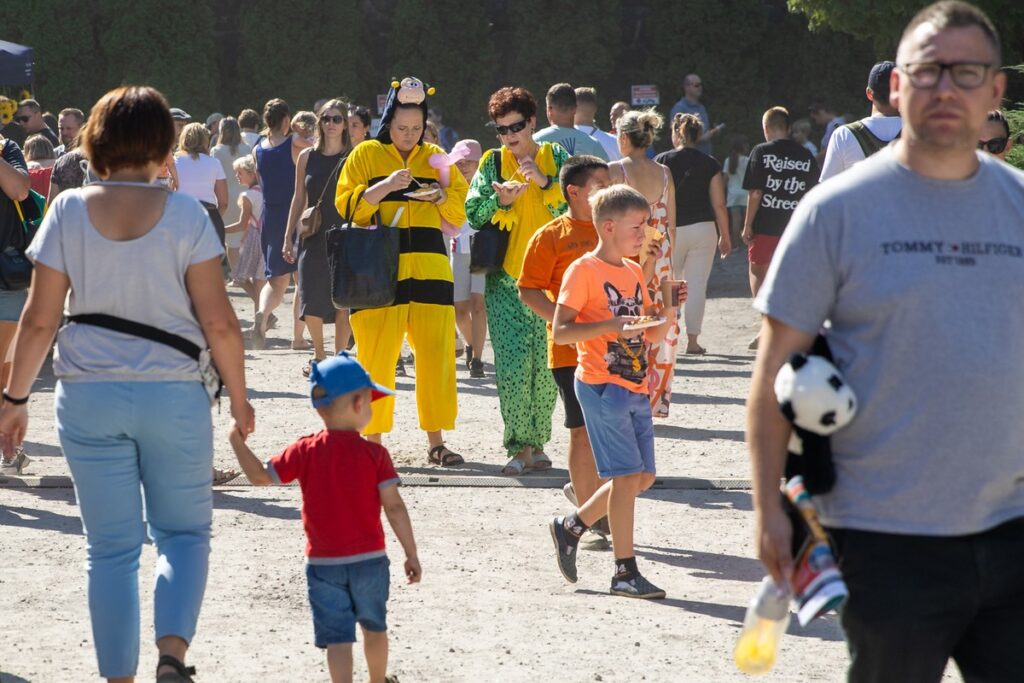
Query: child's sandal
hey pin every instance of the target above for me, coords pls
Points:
(181, 673)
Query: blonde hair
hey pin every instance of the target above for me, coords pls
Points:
(641, 127)
(306, 120)
(194, 140)
(38, 148)
(244, 163)
(342, 107)
(776, 118)
(612, 202)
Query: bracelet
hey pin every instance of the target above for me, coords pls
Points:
(14, 401)
(549, 183)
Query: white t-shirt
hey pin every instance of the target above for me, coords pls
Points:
(250, 138)
(255, 196)
(142, 280)
(197, 176)
(460, 243)
(735, 195)
(843, 149)
(608, 142)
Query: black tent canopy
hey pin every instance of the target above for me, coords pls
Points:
(16, 64)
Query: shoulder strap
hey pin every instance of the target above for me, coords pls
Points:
(328, 182)
(141, 330)
(868, 141)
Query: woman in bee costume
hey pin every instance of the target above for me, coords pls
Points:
(377, 177)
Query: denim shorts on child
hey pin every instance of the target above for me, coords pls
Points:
(620, 428)
(343, 594)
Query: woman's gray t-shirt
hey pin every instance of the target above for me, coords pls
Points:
(142, 280)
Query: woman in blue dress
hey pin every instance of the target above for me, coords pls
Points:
(275, 161)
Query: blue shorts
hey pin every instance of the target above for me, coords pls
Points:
(620, 428)
(343, 594)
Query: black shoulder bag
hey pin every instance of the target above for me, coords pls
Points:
(488, 245)
(363, 261)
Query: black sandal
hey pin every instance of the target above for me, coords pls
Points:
(445, 457)
(181, 673)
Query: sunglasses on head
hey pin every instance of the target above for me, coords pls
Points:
(511, 128)
(994, 146)
(22, 119)
(338, 118)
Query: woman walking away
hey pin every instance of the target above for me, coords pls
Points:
(200, 175)
(275, 162)
(700, 204)
(132, 414)
(230, 147)
(637, 132)
(734, 168)
(316, 176)
(250, 271)
(516, 188)
(14, 187)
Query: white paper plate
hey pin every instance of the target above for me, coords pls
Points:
(633, 327)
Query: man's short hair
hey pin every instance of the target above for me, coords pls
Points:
(776, 118)
(249, 119)
(586, 95)
(128, 128)
(576, 171)
(561, 96)
(31, 104)
(957, 14)
(74, 113)
(611, 202)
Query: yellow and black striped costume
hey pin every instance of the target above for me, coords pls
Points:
(423, 307)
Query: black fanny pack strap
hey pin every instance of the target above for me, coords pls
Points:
(153, 334)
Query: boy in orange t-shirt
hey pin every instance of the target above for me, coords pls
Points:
(549, 253)
(602, 296)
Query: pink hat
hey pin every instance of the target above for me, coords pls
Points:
(469, 150)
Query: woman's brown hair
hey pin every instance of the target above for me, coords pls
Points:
(342, 107)
(507, 100)
(128, 127)
(688, 127)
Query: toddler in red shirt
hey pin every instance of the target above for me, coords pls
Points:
(345, 482)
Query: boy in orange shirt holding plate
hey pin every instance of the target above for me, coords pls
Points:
(605, 309)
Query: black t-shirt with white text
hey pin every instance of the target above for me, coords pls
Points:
(784, 171)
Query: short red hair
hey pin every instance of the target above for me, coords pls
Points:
(507, 100)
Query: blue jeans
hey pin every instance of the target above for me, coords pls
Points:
(620, 428)
(340, 595)
(138, 448)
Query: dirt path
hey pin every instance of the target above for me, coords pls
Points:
(492, 606)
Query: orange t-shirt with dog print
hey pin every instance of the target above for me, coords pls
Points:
(600, 291)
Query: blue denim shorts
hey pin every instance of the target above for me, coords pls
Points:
(343, 594)
(620, 428)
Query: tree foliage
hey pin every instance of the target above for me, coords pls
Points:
(224, 55)
(881, 21)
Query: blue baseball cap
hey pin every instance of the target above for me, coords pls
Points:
(341, 375)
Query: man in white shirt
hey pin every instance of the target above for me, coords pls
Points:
(586, 110)
(858, 140)
(561, 111)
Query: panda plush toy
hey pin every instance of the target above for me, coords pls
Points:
(817, 401)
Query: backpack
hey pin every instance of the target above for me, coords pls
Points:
(868, 141)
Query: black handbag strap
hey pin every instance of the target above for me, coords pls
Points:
(328, 181)
(153, 334)
(496, 155)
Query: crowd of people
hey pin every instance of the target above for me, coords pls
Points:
(608, 252)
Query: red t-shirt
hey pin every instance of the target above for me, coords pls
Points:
(341, 475)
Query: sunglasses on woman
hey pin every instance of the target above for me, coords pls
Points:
(994, 146)
(337, 119)
(510, 128)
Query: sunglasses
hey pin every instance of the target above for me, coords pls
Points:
(22, 119)
(994, 146)
(337, 119)
(511, 128)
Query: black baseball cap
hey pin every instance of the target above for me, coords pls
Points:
(878, 80)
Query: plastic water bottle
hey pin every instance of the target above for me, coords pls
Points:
(766, 621)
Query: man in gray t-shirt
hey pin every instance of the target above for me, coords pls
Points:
(916, 259)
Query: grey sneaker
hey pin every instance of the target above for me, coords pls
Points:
(564, 550)
(570, 493)
(15, 467)
(636, 588)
